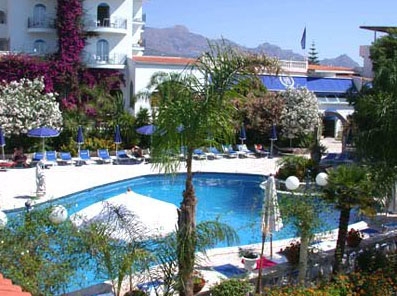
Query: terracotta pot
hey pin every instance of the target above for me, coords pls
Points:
(353, 242)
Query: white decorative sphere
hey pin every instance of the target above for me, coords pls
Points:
(58, 214)
(292, 183)
(3, 219)
(322, 179)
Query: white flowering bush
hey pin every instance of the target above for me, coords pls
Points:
(300, 115)
(24, 106)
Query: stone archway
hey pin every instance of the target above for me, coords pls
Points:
(330, 119)
(346, 125)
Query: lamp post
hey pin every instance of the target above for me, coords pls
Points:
(58, 214)
(3, 219)
(305, 217)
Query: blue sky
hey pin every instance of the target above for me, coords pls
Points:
(333, 25)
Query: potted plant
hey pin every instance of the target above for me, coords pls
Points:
(249, 258)
(354, 237)
(291, 252)
(198, 281)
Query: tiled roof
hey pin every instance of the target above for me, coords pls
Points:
(7, 288)
(163, 60)
(328, 68)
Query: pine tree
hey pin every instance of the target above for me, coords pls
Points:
(313, 55)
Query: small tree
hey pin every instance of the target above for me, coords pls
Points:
(313, 55)
(348, 186)
(38, 255)
(300, 115)
(303, 210)
(24, 105)
(117, 241)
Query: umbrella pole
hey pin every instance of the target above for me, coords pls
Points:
(271, 245)
(2, 151)
(259, 281)
(44, 150)
(271, 148)
(117, 159)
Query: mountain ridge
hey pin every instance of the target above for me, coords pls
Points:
(179, 41)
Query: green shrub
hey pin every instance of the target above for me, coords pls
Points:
(294, 166)
(232, 287)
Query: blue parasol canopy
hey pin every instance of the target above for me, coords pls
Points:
(146, 129)
(43, 132)
(2, 142)
(243, 135)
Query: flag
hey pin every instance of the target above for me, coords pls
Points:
(303, 40)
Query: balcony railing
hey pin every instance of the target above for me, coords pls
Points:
(104, 60)
(113, 23)
(294, 66)
(141, 19)
(42, 23)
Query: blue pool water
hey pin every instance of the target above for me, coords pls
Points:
(234, 199)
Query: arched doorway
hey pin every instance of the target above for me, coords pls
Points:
(333, 124)
(102, 51)
(103, 15)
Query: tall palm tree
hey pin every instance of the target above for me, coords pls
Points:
(349, 186)
(189, 107)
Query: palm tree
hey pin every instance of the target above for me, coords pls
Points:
(349, 186)
(189, 107)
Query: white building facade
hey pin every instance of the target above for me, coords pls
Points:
(113, 27)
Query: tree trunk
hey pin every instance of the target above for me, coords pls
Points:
(186, 233)
(340, 244)
(303, 258)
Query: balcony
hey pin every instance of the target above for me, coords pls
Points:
(139, 20)
(41, 25)
(294, 66)
(106, 25)
(111, 61)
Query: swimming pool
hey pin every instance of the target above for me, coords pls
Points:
(234, 199)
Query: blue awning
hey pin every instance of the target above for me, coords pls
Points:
(314, 84)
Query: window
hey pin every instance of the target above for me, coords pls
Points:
(2, 17)
(39, 47)
(103, 15)
(102, 51)
(39, 13)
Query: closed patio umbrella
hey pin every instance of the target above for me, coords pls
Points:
(117, 137)
(2, 142)
(80, 138)
(243, 134)
(273, 137)
(271, 218)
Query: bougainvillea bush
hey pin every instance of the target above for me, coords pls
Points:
(24, 105)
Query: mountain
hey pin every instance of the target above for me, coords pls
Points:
(179, 41)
